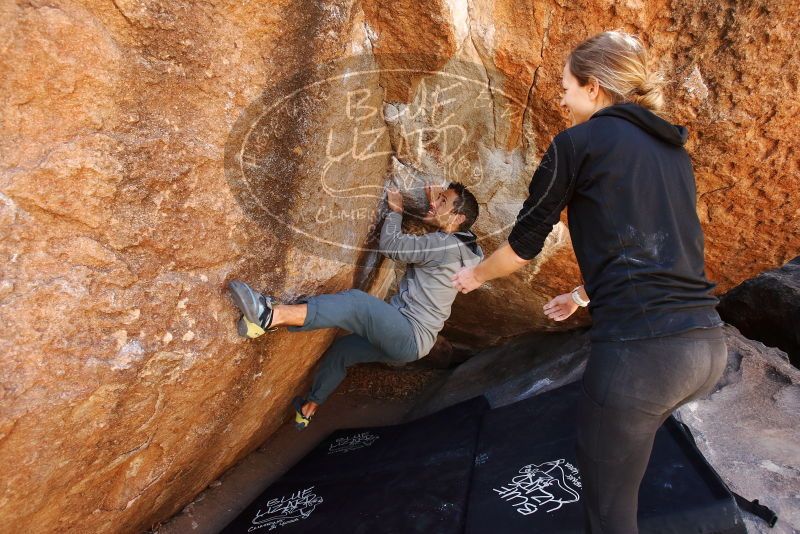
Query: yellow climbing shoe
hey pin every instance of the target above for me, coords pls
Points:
(248, 329)
(300, 420)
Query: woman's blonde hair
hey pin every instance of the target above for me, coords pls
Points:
(618, 61)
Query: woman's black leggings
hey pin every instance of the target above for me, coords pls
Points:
(629, 389)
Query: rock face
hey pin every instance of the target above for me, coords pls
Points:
(767, 308)
(153, 150)
(749, 430)
(125, 389)
(525, 366)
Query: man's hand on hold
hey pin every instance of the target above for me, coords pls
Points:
(395, 199)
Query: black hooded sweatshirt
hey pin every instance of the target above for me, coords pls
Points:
(630, 191)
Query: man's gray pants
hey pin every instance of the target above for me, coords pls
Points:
(380, 333)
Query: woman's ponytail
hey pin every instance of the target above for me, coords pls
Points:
(618, 61)
(650, 93)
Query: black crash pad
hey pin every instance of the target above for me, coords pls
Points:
(526, 477)
(475, 470)
(406, 478)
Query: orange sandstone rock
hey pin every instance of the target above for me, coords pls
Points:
(153, 150)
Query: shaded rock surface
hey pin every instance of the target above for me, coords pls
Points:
(523, 367)
(153, 150)
(767, 308)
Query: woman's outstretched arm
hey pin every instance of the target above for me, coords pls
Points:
(550, 190)
(501, 262)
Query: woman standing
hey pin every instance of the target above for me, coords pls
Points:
(656, 336)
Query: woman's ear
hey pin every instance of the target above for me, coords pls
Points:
(593, 88)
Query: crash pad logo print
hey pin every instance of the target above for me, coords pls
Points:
(547, 486)
(352, 443)
(285, 510)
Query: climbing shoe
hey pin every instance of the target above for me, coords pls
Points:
(300, 421)
(247, 329)
(256, 309)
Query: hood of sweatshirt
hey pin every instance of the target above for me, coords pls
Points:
(470, 240)
(647, 121)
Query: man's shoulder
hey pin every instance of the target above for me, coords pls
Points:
(462, 246)
(437, 237)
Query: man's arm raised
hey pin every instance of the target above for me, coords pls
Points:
(406, 248)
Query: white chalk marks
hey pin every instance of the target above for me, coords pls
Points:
(547, 486)
(308, 160)
(285, 510)
(352, 443)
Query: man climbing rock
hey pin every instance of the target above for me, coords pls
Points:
(401, 330)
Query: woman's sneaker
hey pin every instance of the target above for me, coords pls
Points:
(256, 309)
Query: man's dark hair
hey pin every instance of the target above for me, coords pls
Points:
(465, 204)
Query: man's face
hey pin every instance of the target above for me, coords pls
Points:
(441, 213)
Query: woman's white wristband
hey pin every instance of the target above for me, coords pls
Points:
(576, 298)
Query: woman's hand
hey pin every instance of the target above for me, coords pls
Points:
(466, 280)
(560, 307)
(501, 262)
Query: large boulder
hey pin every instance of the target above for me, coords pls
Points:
(767, 308)
(749, 429)
(154, 150)
(132, 138)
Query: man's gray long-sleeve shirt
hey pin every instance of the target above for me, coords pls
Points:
(426, 293)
